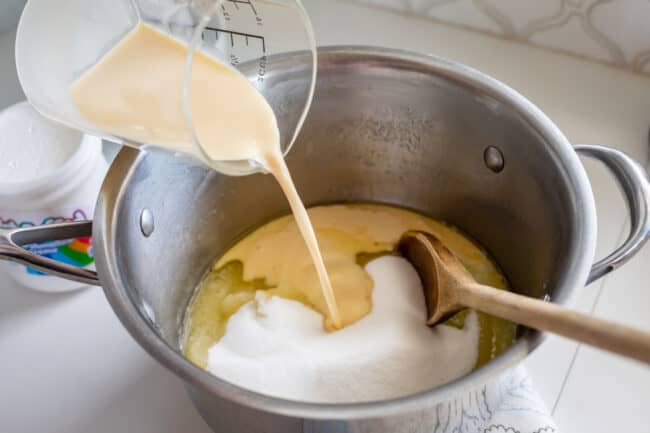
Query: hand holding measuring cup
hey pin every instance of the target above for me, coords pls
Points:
(243, 34)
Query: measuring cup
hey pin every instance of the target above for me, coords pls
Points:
(57, 41)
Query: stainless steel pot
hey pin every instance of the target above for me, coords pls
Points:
(386, 126)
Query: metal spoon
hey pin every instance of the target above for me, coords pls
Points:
(449, 287)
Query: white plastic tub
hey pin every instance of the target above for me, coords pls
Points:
(64, 193)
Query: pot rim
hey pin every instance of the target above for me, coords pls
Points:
(127, 309)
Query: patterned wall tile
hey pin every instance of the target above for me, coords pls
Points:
(572, 31)
(462, 12)
(513, 15)
(613, 31)
(628, 26)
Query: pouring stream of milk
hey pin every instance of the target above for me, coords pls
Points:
(136, 91)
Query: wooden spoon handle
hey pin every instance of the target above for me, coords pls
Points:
(546, 316)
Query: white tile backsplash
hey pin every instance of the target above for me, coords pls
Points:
(612, 31)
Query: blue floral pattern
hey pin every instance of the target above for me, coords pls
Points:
(509, 405)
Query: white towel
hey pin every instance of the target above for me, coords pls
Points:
(508, 405)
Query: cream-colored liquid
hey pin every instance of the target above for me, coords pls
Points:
(274, 259)
(136, 92)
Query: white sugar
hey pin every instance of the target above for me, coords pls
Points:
(278, 347)
(31, 146)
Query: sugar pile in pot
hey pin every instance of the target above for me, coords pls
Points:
(278, 346)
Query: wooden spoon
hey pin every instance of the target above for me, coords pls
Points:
(449, 287)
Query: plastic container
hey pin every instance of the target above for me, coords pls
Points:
(66, 192)
(57, 41)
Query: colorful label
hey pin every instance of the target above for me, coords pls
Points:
(76, 252)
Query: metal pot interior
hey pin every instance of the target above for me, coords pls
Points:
(385, 127)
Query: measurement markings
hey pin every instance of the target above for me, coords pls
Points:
(249, 3)
(232, 34)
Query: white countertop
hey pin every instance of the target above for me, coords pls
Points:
(68, 365)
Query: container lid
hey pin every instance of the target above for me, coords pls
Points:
(31, 146)
(49, 179)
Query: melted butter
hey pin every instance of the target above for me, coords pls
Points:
(274, 258)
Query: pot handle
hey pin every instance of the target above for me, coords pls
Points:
(633, 180)
(12, 242)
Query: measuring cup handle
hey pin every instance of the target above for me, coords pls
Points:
(13, 241)
(633, 180)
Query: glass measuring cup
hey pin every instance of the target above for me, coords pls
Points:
(58, 41)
